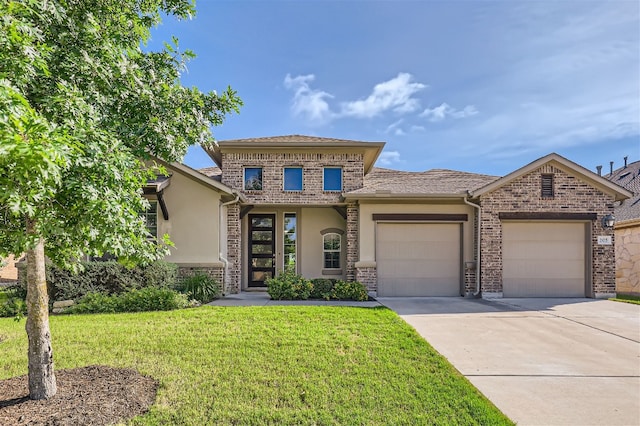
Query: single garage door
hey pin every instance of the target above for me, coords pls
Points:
(543, 259)
(418, 259)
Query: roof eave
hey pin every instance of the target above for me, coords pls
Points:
(398, 196)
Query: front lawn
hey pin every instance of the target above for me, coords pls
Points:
(268, 365)
(627, 298)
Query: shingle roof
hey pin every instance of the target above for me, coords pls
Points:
(435, 181)
(212, 172)
(629, 178)
(290, 139)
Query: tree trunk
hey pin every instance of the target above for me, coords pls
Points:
(42, 381)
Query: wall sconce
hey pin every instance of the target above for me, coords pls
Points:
(608, 221)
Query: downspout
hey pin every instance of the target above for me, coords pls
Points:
(477, 292)
(222, 258)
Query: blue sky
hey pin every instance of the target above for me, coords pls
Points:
(479, 86)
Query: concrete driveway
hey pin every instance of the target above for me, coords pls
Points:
(541, 361)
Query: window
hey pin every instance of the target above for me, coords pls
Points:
(331, 250)
(290, 241)
(151, 219)
(293, 178)
(332, 179)
(547, 186)
(253, 178)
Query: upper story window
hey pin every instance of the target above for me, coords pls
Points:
(151, 219)
(253, 178)
(293, 178)
(547, 186)
(331, 249)
(332, 179)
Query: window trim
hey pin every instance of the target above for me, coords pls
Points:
(325, 250)
(324, 180)
(153, 205)
(245, 180)
(284, 178)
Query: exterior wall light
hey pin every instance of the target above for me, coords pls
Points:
(608, 221)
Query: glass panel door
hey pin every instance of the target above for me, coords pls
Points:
(261, 249)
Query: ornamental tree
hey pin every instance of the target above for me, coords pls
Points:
(82, 107)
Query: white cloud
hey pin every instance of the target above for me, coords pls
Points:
(306, 101)
(395, 95)
(395, 128)
(443, 111)
(387, 158)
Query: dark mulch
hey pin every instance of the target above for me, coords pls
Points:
(94, 395)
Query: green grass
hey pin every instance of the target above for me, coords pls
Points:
(627, 298)
(268, 365)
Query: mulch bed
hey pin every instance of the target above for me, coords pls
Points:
(94, 395)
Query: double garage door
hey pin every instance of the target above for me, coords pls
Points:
(540, 259)
(544, 259)
(418, 259)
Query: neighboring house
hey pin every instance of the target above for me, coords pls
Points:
(319, 207)
(8, 272)
(627, 229)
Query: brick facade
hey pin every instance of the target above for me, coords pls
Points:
(368, 276)
(215, 272)
(273, 165)
(272, 192)
(523, 194)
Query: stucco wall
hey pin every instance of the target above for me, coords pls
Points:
(194, 221)
(572, 195)
(628, 259)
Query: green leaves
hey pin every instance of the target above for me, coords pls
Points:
(81, 108)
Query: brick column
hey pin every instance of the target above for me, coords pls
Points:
(234, 250)
(352, 240)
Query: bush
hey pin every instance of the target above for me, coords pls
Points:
(349, 290)
(146, 299)
(289, 286)
(13, 307)
(322, 288)
(105, 277)
(200, 287)
(12, 302)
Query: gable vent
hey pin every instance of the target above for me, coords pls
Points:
(547, 186)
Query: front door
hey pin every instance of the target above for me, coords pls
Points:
(262, 245)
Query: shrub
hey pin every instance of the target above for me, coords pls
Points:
(289, 286)
(12, 302)
(146, 299)
(322, 288)
(349, 290)
(105, 277)
(200, 287)
(13, 307)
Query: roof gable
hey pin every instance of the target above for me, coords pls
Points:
(198, 177)
(563, 164)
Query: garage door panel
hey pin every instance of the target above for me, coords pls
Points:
(543, 259)
(418, 259)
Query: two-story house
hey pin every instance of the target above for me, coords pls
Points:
(320, 207)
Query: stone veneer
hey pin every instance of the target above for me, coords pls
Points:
(571, 195)
(628, 259)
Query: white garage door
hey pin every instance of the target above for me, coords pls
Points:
(543, 259)
(418, 259)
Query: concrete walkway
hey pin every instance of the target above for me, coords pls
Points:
(541, 361)
(261, 298)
